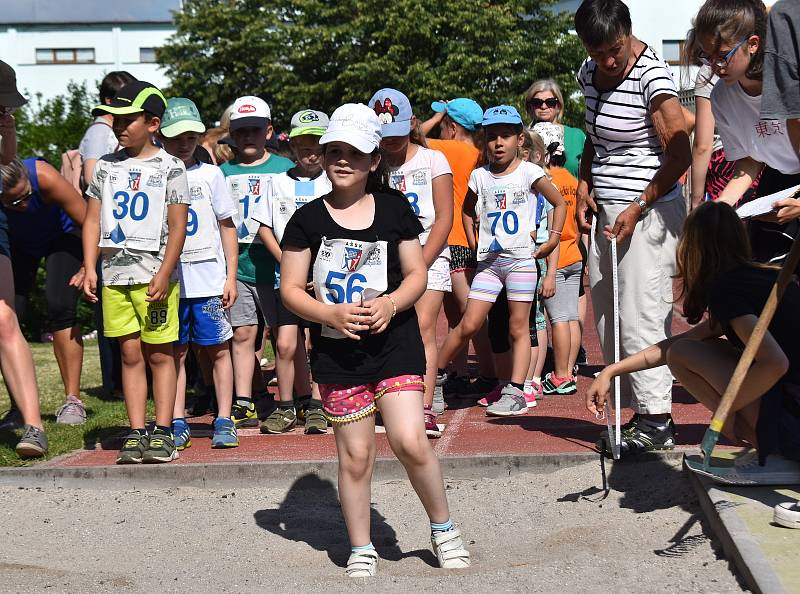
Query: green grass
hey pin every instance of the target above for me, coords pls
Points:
(106, 416)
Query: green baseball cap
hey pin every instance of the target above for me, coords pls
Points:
(135, 97)
(309, 122)
(181, 116)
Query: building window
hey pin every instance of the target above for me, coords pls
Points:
(147, 55)
(672, 51)
(82, 55)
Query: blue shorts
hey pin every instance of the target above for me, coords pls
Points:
(203, 321)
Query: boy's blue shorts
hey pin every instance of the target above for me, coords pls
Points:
(203, 321)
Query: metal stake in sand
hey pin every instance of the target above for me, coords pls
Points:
(615, 435)
(753, 343)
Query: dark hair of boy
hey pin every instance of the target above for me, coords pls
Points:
(602, 22)
(113, 82)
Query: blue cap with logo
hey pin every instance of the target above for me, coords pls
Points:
(501, 114)
(393, 110)
(464, 112)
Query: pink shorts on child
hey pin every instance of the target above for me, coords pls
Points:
(345, 404)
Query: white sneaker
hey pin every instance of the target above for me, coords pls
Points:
(449, 549)
(362, 564)
(787, 514)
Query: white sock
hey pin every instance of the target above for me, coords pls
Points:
(528, 385)
(537, 379)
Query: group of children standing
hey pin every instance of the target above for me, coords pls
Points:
(195, 253)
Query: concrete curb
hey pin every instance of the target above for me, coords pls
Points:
(737, 541)
(254, 474)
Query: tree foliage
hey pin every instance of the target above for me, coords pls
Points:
(48, 128)
(320, 54)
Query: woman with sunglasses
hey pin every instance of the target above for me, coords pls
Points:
(545, 103)
(44, 212)
(728, 36)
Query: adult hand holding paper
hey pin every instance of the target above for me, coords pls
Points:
(785, 205)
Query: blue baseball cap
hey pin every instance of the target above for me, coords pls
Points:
(393, 110)
(501, 114)
(464, 112)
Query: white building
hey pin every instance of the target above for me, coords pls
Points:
(52, 42)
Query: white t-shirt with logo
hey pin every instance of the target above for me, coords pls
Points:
(415, 179)
(745, 134)
(506, 208)
(207, 278)
(286, 194)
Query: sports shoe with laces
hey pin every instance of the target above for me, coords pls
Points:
(72, 412)
(33, 443)
(438, 405)
(639, 437)
(161, 448)
(316, 421)
(224, 433)
(492, 396)
(530, 395)
(244, 414)
(279, 420)
(431, 428)
(550, 387)
(182, 433)
(12, 420)
(511, 403)
(133, 448)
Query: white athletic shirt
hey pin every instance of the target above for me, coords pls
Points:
(619, 123)
(415, 179)
(207, 278)
(745, 134)
(285, 195)
(506, 208)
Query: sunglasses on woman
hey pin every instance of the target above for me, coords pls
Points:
(720, 61)
(550, 102)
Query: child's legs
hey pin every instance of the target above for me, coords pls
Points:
(705, 368)
(563, 310)
(456, 302)
(244, 359)
(474, 317)
(161, 359)
(428, 307)
(16, 359)
(575, 338)
(355, 447)
(179, 352)
(302, 378)
(134, 379)
(222, 369)
(541, 354)
(287, 347)
(405, 429)
(520, 339)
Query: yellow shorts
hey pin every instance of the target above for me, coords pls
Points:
(126, 311)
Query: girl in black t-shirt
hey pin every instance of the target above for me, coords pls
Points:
(368, 271)
(720, 279)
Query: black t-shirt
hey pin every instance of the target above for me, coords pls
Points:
(397, 350)
(744, 291)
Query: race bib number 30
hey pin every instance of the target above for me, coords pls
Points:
(345, 270)
(132, 209)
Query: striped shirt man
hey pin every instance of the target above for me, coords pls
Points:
(620, 126)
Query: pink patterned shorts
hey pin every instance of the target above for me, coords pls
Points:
(346, 404)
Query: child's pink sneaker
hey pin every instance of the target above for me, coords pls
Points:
(492, 396)
(532, 394)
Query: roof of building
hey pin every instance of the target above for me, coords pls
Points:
(47, 12)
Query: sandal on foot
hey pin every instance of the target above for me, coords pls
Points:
(362, 564)
(449, 549)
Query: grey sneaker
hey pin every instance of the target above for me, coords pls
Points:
(72, 413)
(33, 443)
(511, 404)
(438, 406)
(12, 420)
(133, 448)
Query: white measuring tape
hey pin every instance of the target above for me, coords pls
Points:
(615, 435)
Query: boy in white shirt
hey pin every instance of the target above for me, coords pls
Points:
(288, 192)
(207, 271)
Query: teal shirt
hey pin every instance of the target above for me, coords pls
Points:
(256, 264)
(573, 149)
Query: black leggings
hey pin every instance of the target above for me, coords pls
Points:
(62, 261)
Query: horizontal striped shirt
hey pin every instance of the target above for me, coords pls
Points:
(619, 123)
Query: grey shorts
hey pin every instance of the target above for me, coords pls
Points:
(563, 306)
(254, 301)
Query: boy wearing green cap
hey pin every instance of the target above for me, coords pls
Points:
(288, 192)
(207, 272)
(137, 213)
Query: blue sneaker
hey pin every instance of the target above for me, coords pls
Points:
(183, 437)
(224, 433)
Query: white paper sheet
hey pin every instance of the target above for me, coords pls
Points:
(763, 205)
